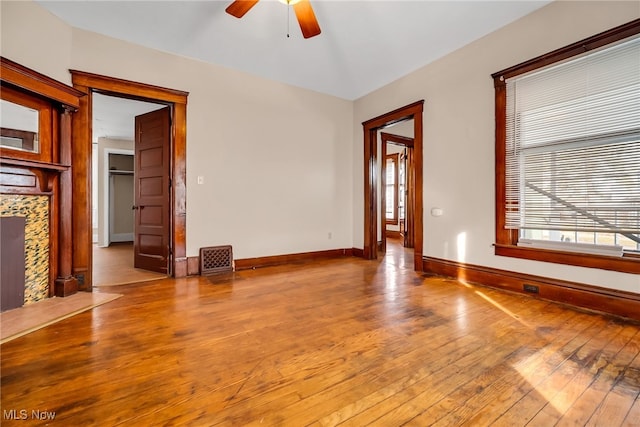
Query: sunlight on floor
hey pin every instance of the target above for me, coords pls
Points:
(494, 302)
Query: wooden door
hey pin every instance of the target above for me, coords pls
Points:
(381, 247)
(152, 182)
(410, 197)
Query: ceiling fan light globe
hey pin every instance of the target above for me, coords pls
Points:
(289, 2)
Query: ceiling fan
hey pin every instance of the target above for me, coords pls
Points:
(302, 8)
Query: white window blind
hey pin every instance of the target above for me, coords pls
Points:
(573, 144)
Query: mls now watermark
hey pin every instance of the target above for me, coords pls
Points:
(23, 414)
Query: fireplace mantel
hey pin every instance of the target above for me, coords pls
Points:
(42, 168)
(46, 174)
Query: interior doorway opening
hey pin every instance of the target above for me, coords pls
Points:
(173, 181)
(372, 204)
(397, 185)
(113, 188)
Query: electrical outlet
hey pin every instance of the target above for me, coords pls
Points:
(533, 289)
(80, 278)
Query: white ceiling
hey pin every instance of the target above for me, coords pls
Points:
(115, 117)
(364, 45)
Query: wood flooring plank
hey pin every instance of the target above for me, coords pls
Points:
(568, 395)
(584, 356)
(604, 374)
(625, 390)
(509, 389)
(403, 347)
(481, 404)
(421, 396)
(633, 416)
(324, 343)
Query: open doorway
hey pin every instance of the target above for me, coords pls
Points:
(372, 206)
(175, 178)
(113, 189)
(397, 186)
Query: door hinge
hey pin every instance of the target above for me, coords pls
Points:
(170, 182)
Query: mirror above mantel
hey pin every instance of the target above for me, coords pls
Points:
(27, 123)
(18, 127)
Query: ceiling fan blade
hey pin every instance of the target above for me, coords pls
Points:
(239, 7)
(306, 19)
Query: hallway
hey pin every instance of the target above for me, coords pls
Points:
(113, 265)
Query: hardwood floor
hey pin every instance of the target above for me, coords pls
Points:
(334, 342)
(31, 317)
(113, 265)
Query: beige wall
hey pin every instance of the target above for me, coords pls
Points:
(459, 134)
(276, 179)
(283, 166)
(276, 160)
(31, 36)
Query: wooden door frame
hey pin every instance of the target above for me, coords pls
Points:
(88, 83)
(409, 143)
(370, 128)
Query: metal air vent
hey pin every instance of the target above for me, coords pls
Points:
(216, 259)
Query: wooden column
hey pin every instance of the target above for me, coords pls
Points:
(66, 284)
(81, 171)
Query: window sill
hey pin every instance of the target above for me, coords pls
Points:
(625, 264)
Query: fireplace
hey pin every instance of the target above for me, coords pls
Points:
(35, 176)
(35, 211)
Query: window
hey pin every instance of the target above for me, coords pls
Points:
(568, 154)
(391, 214)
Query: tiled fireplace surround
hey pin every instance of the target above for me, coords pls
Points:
(35, 210)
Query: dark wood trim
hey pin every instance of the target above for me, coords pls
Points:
(65, 283)
(409, 222)
(370, 195)
(370, 129)
(179, 190)
(624, 264)
(594, 42)
(193, 266)
(32, 81)
(82, 202)
(88, 83)
(396, 116)
(125, 88)
(619, 303)
(47, 170)
(396, 139)
(506, 239)
(357, 252)
(34, 164)
(249, 263)
(394, 234)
